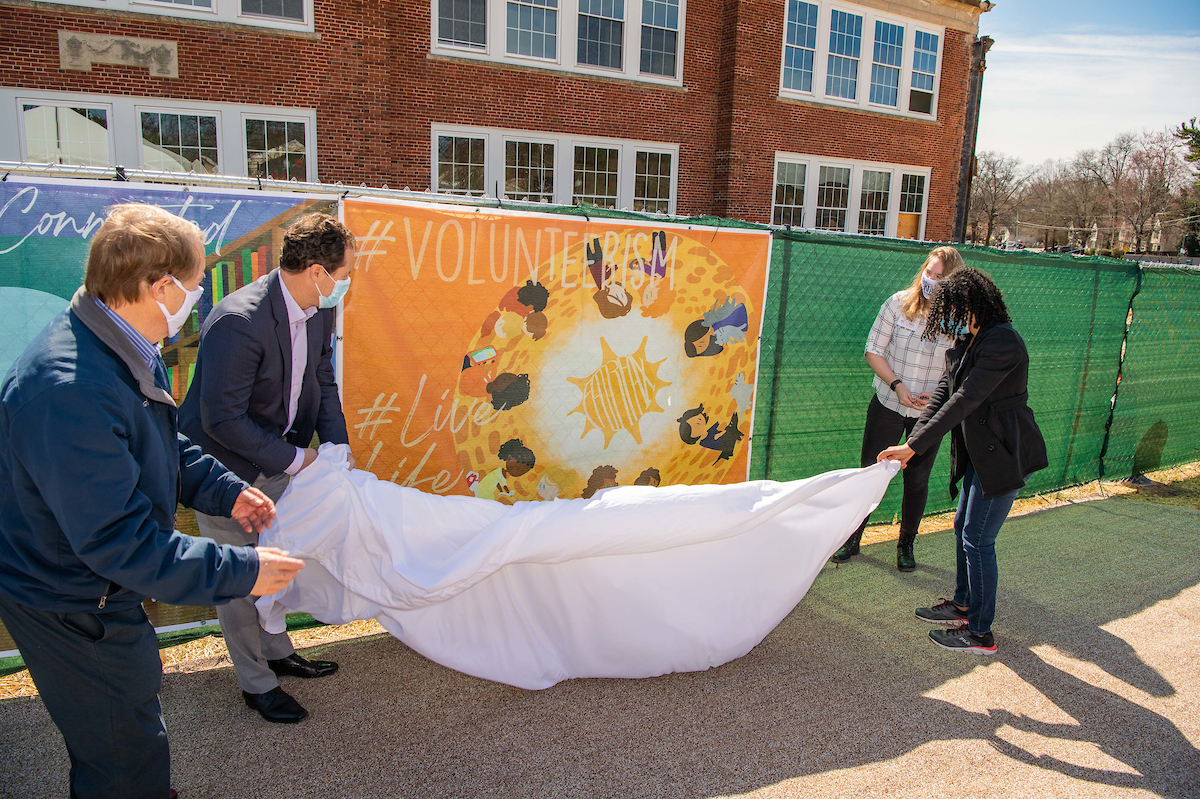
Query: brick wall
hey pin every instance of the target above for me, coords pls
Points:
(376, 89)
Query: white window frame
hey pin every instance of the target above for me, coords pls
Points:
(27, 99)
(221, 11)
(865, 60)
(157, 108)
(564, 160)
(813, 164)
(504, 140)
(495, 50)
(309, 130)
(125, 133)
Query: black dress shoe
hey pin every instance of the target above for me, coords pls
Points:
(295, 666)
(276, 705)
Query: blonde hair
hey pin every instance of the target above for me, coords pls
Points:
(914, 304)
(140, 242)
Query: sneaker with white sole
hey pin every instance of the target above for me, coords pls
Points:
(944, 612)
(961, 639)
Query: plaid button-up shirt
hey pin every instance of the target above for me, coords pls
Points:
(917, 362)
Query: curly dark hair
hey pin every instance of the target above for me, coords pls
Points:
(600, 475)
(966, 293)
(533, 295)
(508, 390)
(315, 239)
(516, 450)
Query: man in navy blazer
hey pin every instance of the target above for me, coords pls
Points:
(263, 385)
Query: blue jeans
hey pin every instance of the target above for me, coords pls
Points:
(976, 525)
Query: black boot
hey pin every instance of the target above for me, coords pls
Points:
(905, 561)
(849, 549)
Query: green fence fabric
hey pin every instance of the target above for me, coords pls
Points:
(814, 385)
(1156, 423)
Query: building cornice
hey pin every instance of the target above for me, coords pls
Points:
(961, 15)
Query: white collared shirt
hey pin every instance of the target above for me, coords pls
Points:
(298, 325)
(918, 362)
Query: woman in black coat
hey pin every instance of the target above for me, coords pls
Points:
(995, 444)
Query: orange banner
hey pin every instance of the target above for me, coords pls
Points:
(523, 356)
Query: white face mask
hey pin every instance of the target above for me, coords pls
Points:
(928, 287)
(175, 320)
(330, 300)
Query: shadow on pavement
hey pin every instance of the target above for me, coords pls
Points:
(848, 683)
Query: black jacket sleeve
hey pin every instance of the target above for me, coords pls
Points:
(994, 360)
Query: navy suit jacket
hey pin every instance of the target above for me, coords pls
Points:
(236, 408)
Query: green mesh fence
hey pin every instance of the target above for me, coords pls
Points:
(814, 384)
(1156, 423)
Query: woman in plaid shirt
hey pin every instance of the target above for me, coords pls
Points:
(907, 369)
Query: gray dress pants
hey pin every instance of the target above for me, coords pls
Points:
(250, 646)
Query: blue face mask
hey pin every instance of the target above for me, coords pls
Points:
(331, 300)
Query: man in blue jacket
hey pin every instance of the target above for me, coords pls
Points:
(263, 385)
(91, 468)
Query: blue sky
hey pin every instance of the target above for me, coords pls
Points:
(1067, 75)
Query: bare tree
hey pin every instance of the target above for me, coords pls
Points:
(1109, 166)
(1157, 171)
(994, 190)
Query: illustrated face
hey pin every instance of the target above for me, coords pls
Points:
(699, 425)
(608, 483)
(651, 293)
(547, 489)
(701, 344)
(514, 468)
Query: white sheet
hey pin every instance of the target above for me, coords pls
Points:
(635, 582)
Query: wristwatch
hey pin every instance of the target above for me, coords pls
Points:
(895, 383)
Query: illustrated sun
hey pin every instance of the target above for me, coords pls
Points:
(618, 394)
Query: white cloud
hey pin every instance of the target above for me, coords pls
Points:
(1051, 96)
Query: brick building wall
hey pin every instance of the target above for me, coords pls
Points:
(376, 88)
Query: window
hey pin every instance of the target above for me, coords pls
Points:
(560, 168)
(639, 40)
(833, 196)
(276, 149)
(533, 28)
(158, 134)
(873, 202)
(284, 9)
(862, 197)
(179, 142)
(885, 71)
(65, 135)
(660, 33)
(845, 43)
(800, 46)
(462, 22)
(925, 47)
(601, 32)
(529, 171)
(789, 194)
(460, 165)
(823, 47)
(912, 206)
(596, 176)
(292, 15)
(652, 182)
